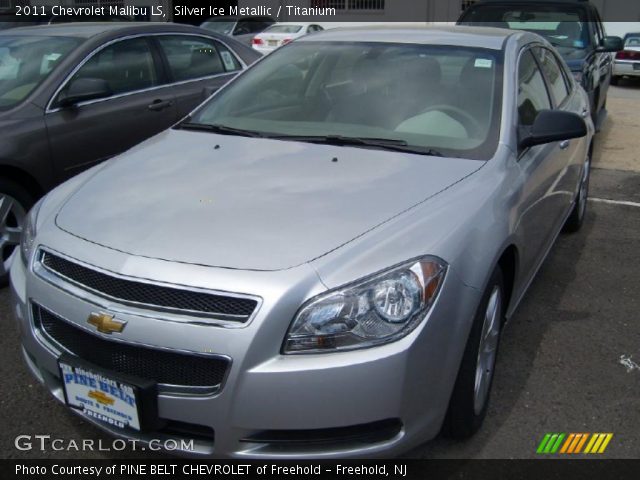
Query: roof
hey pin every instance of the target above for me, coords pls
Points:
(90, 29)
(463, 36)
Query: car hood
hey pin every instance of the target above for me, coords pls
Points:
(246, 203)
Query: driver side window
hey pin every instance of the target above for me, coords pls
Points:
(532, 91)
(126, 66)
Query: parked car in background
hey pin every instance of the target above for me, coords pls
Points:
(242, 29)
(9, 19)
(627, 62)
(282, 33)
(72, 95)
(573, 27)
(315, 265)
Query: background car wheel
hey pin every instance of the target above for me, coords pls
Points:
(470, 397)
(615, 80)
(576, 218)
(15, 202)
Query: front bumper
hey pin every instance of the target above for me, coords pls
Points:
(397, 393)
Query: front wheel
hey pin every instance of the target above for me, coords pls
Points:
(15, 202)
(615, 80)
(470, 397)
(579, 212)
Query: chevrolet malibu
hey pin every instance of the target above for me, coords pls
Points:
(319, 260)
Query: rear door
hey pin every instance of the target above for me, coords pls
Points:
(570, 153)
(197, 66)
(542, 166)
(138, 107)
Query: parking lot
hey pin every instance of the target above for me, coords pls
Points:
(560, 366)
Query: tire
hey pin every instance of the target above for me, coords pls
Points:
(576, 217)
(15, 202)
(615, 80)
(470, 398)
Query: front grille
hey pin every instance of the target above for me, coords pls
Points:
(227, 307)
(369, 433)
(163, 366)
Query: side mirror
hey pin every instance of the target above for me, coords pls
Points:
(82, 90)
(552, 126)
(611, 44)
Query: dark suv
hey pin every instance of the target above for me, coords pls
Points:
(573, 27)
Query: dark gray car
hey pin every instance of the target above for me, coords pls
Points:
(74, 95)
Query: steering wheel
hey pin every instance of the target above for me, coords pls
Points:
(470, 124)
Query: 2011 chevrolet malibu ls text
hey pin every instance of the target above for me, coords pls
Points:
(318, 261)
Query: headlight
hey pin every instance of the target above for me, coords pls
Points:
(29, 233)
(372, 311)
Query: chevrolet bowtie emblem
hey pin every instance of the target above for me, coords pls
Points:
(105, 323)
(101, 397)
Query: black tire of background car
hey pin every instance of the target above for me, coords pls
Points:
(26, 200)
(615, 80)
(461, 421)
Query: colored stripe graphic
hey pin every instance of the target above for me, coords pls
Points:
(574, 443)
(550, 443)
(598, 443)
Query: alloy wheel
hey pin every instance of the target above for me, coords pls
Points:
(487, 350)
(12, 216)
(584, 187)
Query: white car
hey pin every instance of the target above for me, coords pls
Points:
(280, 34)
(627, 63)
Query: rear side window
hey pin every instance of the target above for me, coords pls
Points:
(192, 57)
(532, 92)
(127, 66)
(553, 72)
(229, 60)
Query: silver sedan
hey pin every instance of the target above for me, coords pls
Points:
(319, 260)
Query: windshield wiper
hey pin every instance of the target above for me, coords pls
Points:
(383, 143)
(214, 128)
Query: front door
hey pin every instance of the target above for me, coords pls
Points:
(137, 108)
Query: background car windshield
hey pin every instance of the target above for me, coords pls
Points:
(566, 28)
(284, 29)
(632, 42)
(440, 97)
(219, 26)
(27, 61)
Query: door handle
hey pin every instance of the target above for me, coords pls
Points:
(158, 105)
(564, 145)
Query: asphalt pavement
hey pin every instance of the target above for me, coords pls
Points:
(559, 367)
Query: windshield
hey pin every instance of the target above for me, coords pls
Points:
(27, 61)
(420, 96)
(566, 28)
(284, 29)
(224, 27)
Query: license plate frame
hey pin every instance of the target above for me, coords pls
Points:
(109, 405)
